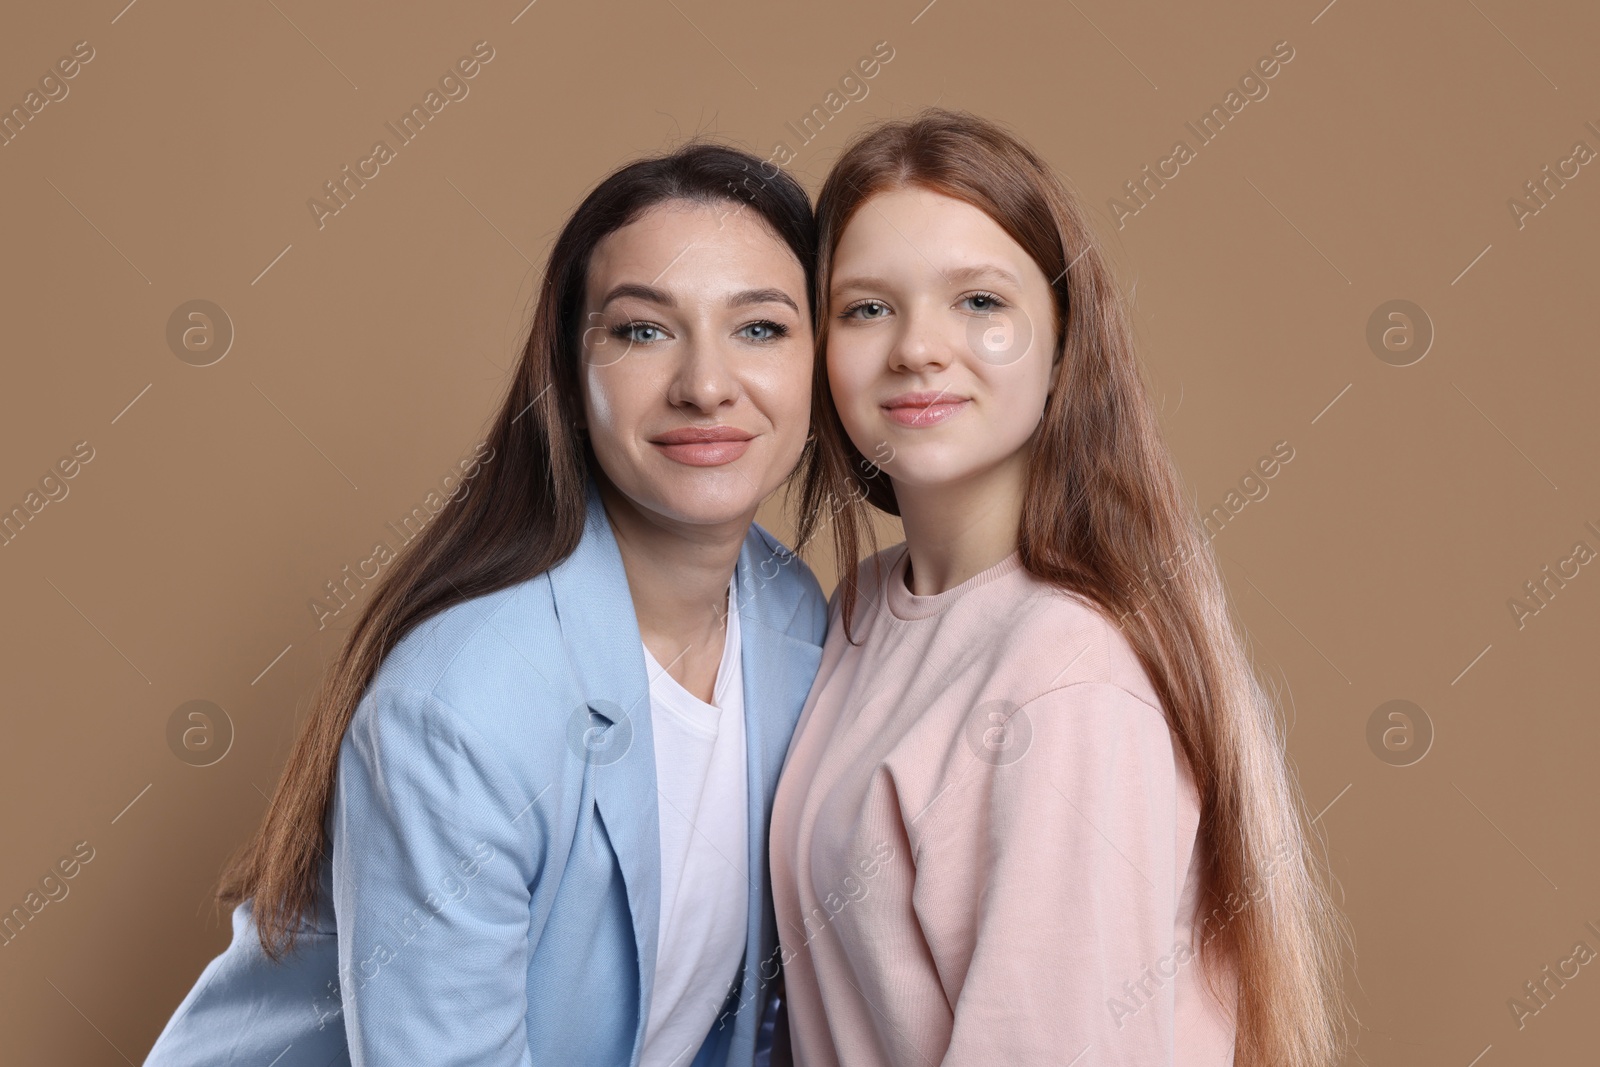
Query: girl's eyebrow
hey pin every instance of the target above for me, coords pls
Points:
(953, 276)
(980, 271)
(860, 281)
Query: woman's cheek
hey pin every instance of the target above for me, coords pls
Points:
(795, 389)
(604, 408)
(607, 414)
(601, 413)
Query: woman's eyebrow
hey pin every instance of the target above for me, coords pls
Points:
(762, 296)
(640, 292)
(745, 298)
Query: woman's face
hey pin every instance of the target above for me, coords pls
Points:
(697, 350)
(941, 338)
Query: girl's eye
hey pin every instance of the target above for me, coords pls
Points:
(639, 333)
(765, 331)
(866, 309)
(984, 302)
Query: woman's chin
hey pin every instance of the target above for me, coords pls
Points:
(711, 501)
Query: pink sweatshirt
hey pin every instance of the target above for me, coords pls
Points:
(983, 841)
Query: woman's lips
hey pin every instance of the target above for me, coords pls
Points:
(916, 415)
(704, 446)
(704, 453)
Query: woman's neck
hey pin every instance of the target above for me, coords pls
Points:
(957, 529)
(678, 578)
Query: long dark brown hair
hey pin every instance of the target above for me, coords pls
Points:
(1105, 516)
(524, 514)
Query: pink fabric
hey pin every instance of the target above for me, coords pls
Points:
(983, 841)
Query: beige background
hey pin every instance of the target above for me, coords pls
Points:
(368, 358)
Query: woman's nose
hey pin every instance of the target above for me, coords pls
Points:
(704, 378)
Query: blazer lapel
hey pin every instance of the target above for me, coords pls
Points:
(601, 637)
(600, 634)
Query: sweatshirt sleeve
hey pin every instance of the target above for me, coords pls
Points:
(434, 852)
(1072, 887)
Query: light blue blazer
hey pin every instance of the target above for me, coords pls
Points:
(493, 890)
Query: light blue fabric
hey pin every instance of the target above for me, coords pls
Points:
(495, 848)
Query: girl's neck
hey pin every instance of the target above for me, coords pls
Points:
(960, 528)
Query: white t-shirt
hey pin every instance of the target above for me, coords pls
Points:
(705, 886)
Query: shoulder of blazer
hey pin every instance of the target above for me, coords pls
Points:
(433, 649)
(495, 670)
(790, 593)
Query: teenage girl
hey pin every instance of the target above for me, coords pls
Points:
(1036, 810)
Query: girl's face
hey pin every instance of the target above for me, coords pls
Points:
(940, 343)
(697, 350)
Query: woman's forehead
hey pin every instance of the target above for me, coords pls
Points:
(695, 251)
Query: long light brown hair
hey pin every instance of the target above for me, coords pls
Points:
(1105, 516)
(524, 514)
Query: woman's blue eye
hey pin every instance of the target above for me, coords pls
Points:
(984, 302)
(639, 333)
(765, 330)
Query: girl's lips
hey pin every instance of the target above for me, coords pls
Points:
(704, 453)
(926, 415)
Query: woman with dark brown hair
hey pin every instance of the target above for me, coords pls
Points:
(1037, 809)
(525, 818)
